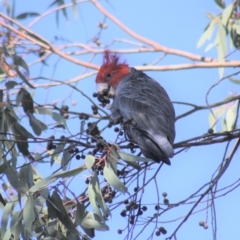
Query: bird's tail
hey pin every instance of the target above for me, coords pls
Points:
(164, 145)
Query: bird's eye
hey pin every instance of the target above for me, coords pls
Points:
(108, 76)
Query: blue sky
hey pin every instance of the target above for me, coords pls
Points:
(174, 24)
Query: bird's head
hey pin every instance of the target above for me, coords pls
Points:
(111, 72)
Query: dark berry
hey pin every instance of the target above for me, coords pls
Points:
(162, 230)
(135, 189)
(166, 201)
(201, 223)
(123, 213)
(140, 212)
(119, 231)
(121, 133)
(157, 207)
(144, 208)
(157, 233)
(95, 94)
(164, 194)
(131, 222)
(116, 129)
(210, 131)
(78, 157)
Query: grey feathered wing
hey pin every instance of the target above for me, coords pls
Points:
(140, 98)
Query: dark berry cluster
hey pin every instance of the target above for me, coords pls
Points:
(103, 97)
(160, 231)
(93, 129)
(50, 144)
(64, 111)
(108, 194)
(83, 116)
(94, 109)
(203, 224)
(235, 38)
(130, 209)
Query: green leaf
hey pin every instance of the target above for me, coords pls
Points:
(82, 126)
(12, 175)
(234, 80)
(131, 158)
(27, 14)
(89, 161)
(24, 131)
(36, 125)
(224, 125)
(207, 34)
(1, 95)
(222, 47)
(227, 13)
(19, 96)
(11, 84)
(98, 197)
(81, 213)
(93, 201)
(42, 184)
(24, 78)
(26, 174)
(16, 224)
(56, 116)
(75, 13)
(11, 112)
(29, 214)
(92, 220)
(220, 3)
(212, 121)
(65, 159)
(70, 173)
(231, 117)
(5, 216)
(18, 61)
(27, 101)
(113, 179)
(211, 45)
(56, 152)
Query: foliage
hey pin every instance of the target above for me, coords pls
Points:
(48, 207)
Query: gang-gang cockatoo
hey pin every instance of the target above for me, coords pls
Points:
(143, 106)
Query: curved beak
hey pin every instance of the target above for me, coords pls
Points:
(101, 87)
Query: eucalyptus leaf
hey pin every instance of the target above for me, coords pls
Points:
(89, 161)
(231, 116)
(36, 125)
(65, 159)
(24, 78)
(11, 84)
(227, 13)
(29, 214)
(131, 158)
(113, 179)
(234, 80)
(12, 175)
(16, 223)
(56, 116)
(207, 34)
(19, 96)
(92, 220)
(27, 14)
(42, 184)
(57, 151)
(70, 173)
(18, 61)
(5, 216)
(220, 3)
